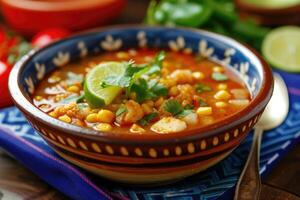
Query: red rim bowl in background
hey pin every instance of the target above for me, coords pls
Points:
(31, 16)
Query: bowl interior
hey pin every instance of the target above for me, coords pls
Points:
(31, 69)
(217, 48)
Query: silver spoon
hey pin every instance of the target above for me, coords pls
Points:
(249, 184)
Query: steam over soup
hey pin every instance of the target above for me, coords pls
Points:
(142, 91)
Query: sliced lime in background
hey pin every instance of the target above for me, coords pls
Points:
(273, 3)
(94, 93)
(281, 48)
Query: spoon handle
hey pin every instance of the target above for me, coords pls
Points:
(249, 184)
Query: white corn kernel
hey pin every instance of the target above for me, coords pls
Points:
(136, 129)
(204, 111)
(218, 69)
(222, 86)
(191, 118)
(240, 93)
(222, 95)
(221, 104)
(198, 75)
(239, 102)
(168, 125)
(103, 127)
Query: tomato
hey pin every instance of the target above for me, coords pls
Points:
(5, 99)
(47, 36)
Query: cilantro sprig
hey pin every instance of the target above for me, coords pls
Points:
(147, 119)
(132, 80)
(200, 88)
(146, 91)
(176, 109)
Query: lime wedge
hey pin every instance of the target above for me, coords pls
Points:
(281, 48)
(95, 95)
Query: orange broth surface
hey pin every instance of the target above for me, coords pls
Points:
(190, 71)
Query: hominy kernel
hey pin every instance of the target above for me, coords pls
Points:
(198, 75)
(136, 129)
(240, 93)
(159, 102)
(168, 82)
(204, 111)
(53, 114)
(54, 79)
(79, 123)
(222, 86)
(218, 69)
(103, 127)
(122, 55)
(69, 106)
(105, 116)
(222, 95)
(38, 98)
(173, 91)
(92, 118)
(60, 110)
(65, 118)
(239, 102)
(146, 108)
(73, 88)
(221, 104)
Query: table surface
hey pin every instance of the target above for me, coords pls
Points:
(16, 182)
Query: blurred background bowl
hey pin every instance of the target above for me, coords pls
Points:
(270, 16)
(30, 16)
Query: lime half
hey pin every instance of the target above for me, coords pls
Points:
(94, 93)
(281, 48)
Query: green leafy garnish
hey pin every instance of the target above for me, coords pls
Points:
(147, 118)
(72, 98)
(121, 110)
(175, 108)
(202, 103)
(189, 107)
(219, 76)
(146, 91)
(185, 113)
(131, 80)
(200, 87)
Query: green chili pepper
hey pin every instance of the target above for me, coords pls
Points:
(181, 13)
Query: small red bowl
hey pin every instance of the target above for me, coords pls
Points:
(31, 16)
(269, 16)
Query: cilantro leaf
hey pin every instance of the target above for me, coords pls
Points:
(142, 91)
(159, 90)
(72, 98)
(147, 118)
(156, 65)
(200, 87)
(121, 110)
(219, 76)
(189, 107)
(133, 73)
(173, 106)
(185, 113)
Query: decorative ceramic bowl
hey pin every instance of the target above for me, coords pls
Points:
(31, 16)
(147, 158)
